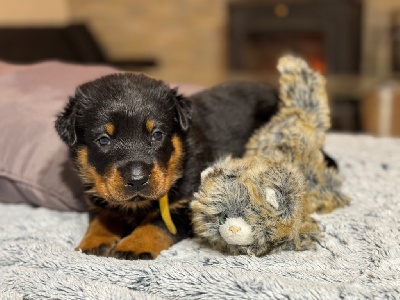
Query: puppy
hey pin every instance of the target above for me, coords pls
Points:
(134, 141)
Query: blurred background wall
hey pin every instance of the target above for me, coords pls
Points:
(34, 13)
(356, 43)
(184, 38)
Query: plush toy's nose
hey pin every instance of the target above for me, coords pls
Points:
(234, 229)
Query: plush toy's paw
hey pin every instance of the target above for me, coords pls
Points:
(145, 242)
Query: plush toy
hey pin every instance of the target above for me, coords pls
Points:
(261, 203)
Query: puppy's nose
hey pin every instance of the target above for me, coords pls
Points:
(137, 176)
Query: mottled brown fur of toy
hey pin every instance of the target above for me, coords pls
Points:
(282, 178)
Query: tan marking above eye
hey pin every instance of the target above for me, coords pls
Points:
(110, 128)
(150, 125)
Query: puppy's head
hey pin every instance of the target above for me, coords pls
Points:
(125, 132)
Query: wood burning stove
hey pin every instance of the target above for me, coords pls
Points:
(326, 32)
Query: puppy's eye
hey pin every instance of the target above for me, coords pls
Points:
(104, 141)
(156, 136)
(222, 218)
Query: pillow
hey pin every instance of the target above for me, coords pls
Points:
(34, 163)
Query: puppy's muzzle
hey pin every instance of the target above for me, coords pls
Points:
(136, 175)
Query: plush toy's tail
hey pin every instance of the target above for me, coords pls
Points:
(298, 129)
(303, 88)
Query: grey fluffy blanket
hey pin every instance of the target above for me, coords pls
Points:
(359, 257)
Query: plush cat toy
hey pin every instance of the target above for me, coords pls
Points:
(260, 204)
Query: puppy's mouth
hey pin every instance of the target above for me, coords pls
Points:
(136, 199)
(121, 195)
(116, 193)
(157, 186)
(113, 189)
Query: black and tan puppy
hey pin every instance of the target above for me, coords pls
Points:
(133, 140)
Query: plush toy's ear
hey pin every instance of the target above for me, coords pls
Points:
(270, 197)
(284, 190)
(223, 167)
(206, 172)
(65, 123)
(183, 109)
(281, 186)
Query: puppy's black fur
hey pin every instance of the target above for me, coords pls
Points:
(134, 139)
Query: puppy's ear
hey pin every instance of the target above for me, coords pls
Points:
(65, 123)
(183, 109)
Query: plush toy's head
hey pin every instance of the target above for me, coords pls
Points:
(249, 206)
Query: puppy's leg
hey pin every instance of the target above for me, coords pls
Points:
(104, 231)
(145, 242)
(152, 236)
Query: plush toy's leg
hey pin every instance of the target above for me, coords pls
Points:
(302, 238)
(327, 195)
(309, 232)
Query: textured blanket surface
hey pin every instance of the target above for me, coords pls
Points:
(358, 258)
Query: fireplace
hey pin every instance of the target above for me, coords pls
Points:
(325, 32)
(261, 49)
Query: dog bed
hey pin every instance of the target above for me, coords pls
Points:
(359, 256)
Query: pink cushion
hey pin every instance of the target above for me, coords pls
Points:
(34, 163)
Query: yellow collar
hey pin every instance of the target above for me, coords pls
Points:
(165, 214)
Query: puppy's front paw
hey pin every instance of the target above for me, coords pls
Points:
(145, 242)
(102, 235)
(130, 255)
(96, 248)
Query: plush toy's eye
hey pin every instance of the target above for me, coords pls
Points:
(222, 218)
(104, 141)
